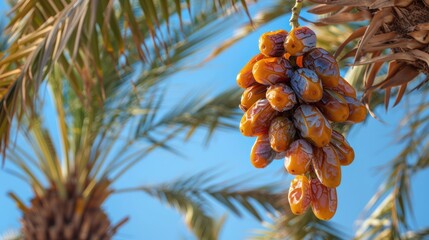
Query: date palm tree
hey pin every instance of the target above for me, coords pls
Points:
(390, 47)
(105, 65)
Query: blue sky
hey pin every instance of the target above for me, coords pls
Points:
(228, 151)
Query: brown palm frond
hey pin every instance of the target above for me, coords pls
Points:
(397, 29)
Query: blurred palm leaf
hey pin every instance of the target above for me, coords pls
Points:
(306, 226)
(191, 197)
(390, 210)
(73, 33)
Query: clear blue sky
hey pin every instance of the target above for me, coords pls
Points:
(229, 151)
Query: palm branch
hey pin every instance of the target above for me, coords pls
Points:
(395, 36)
(74, 34)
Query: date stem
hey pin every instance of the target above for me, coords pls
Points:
(295, 13)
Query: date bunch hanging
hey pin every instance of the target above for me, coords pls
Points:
(293, 94)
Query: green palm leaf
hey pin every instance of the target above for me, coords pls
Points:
(190, 196)
(73, 34)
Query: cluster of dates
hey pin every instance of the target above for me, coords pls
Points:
(293, 93)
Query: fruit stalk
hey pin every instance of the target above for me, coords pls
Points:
(295, 13)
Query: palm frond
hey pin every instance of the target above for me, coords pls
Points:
(192, 196)
(218, 112)
(306, 226)
(390, 209)
(416, 235)
(73, 33)
(384, 40)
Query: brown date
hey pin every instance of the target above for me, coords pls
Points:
(357, 110)
(333, 106)
(281, 97)
(251, 95)
(270, 71)
(282, 133)
(299, 157)
(312, 125)
(245, 77)
(325, 65)
(261, 154)
(299, 195)
(323, 200)
(299, 41)
(271, 43)
(257, 119)
(327, 166)
(307, 85)
(344, 88)
(343, 149)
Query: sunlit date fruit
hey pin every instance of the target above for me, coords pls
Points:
(251, 95)
(323, 200)
(300, 40)
(271, 43)
(299, 157)
(333, 106)
(282, 133)
(357, 110)
(307, 85)
(344, 88)
(257, 119)
(299, 195)
(270, 71)
(325, 66)
(312, 125)
(245, 77)
(281, 97)
(327, 166)
(345, 152)
(261, 154)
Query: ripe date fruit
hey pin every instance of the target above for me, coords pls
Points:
(333, 106)
(293, 93)
(299, 157)
(282, 133)
(325, 66)
(270, 71)
(299, 195)
(261, 154)
(251, 95)
(300, 40)
(323, 200)
(257, 119)
(345, 152)
(344, 88)
(312, 125)
(357, 110)
(307, 85)
(327, 166)
(281, 97)
(271, 43)
(245, 77)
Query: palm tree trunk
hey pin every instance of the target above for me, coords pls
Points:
(77, 217)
